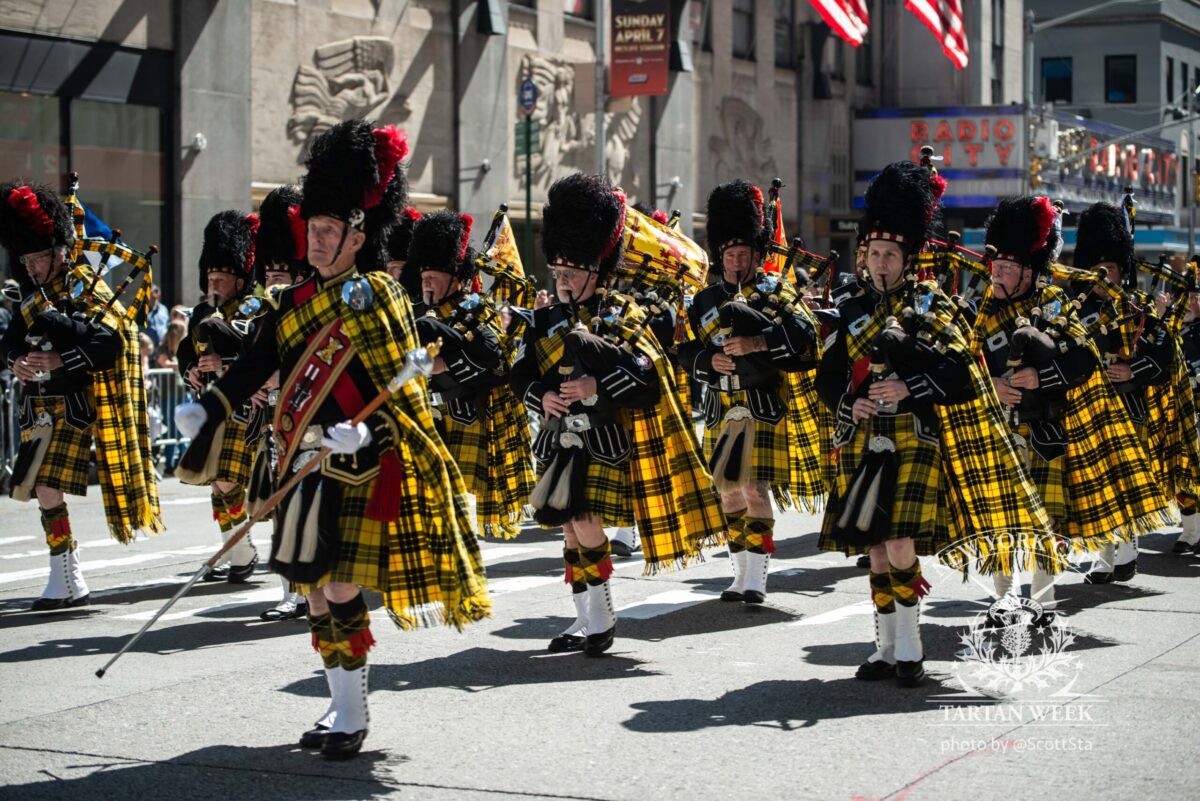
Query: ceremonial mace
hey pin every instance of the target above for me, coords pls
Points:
(417, 362)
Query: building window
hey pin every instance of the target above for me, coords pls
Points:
(579, 8)
(1170, 80)
(997, 23)
(1120, 79)
(785, 34)
(1056, 80)
(997, 82)
(743, 29)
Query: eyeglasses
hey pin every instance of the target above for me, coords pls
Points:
(31, 259)
(1008, 267)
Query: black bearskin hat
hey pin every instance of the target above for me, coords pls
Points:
(737, 216)
(1103, 236)
(902, 206)
(441, 243)
(355, 174)
(229, 247)
(32, 218)
(583, 224)
(1025, 230)
(282, 240)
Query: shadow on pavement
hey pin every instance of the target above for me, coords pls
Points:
(784, 705)
(281, 772)
(164, 641)
(478, 669)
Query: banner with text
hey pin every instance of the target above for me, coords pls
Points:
(640, 57)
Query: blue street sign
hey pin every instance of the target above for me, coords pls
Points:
(527, 96)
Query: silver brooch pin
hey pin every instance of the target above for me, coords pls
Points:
(357, 293)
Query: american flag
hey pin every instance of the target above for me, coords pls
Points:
(944, 18)
(847, 18)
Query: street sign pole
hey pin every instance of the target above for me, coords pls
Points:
(529, 189)
(527, 97)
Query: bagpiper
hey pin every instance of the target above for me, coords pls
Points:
(1140, 358)
(749, 336)
(385, 511)
(613, 448)
(219, 332)
(397, 250)
(76, 356)
(280, 247)
(484, 426)
(1069, 430)
(1189, 503)
(923, 461)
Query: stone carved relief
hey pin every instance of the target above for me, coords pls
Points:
(743, 150)
(566, 137)
(348, 80)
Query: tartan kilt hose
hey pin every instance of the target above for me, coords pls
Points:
(609, 492)
(65, 466)
(919, 509)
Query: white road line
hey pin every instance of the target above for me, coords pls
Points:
(125, 561)
(664, 603)
(185, 501)
(511, 584)
(497, 551)
(10, 540)
(835, 615)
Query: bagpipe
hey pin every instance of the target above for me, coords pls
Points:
(61, 323)
(468, 322)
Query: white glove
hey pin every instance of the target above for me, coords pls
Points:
(190, 418)
(345, 439)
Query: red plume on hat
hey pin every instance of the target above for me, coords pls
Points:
(299, 229)
(25, 203)
(391, 146)
(465, 236)
(1043, 218)
(253, 221)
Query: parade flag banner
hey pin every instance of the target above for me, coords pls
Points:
(502, 261)
(776, 260)
(641, 47)
(944, 18)
(847, 18)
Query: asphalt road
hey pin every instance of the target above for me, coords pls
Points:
(697, 700)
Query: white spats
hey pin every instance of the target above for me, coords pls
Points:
(885, 638)
(76, 585)
(578, 626)
(908, 633)
(349, 689)
(737, 561)
(601, 617)
(757, 567)
(330, 715)
(57, 585)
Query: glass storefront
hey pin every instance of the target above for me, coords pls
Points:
(110, 129)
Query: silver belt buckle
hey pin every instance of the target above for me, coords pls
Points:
(436, 399)
(881, 444)
(577, 423)
(730, 383)
(302, 459)
(737, 413)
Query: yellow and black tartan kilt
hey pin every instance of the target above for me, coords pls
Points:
(918, 508)
(420, 569)
(609, 492)
(466, 445)
(237, 455)
(1049, 478)
(65, 467)
(772, 456)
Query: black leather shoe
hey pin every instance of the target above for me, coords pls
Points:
(342, 746)
(567, 642)
(621, 549)
(1125, 572)
(240, 574)
(50, 604)
(874, 671)
(1196, 549)
(1098, 577)
(314, 738)
(730, 595)
(599, 643)
(1181, 547)
(215, 574)
(863, 561)
(753, 597)
(909, 674)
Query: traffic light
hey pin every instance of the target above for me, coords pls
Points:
(1035, 173)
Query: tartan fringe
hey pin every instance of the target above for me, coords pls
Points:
(511, 527)
(470, 609)
(680, 563)
(785, 500)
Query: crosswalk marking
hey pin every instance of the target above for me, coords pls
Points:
(227, 602)
(836, 615)
(664, 603)
(124, 561)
